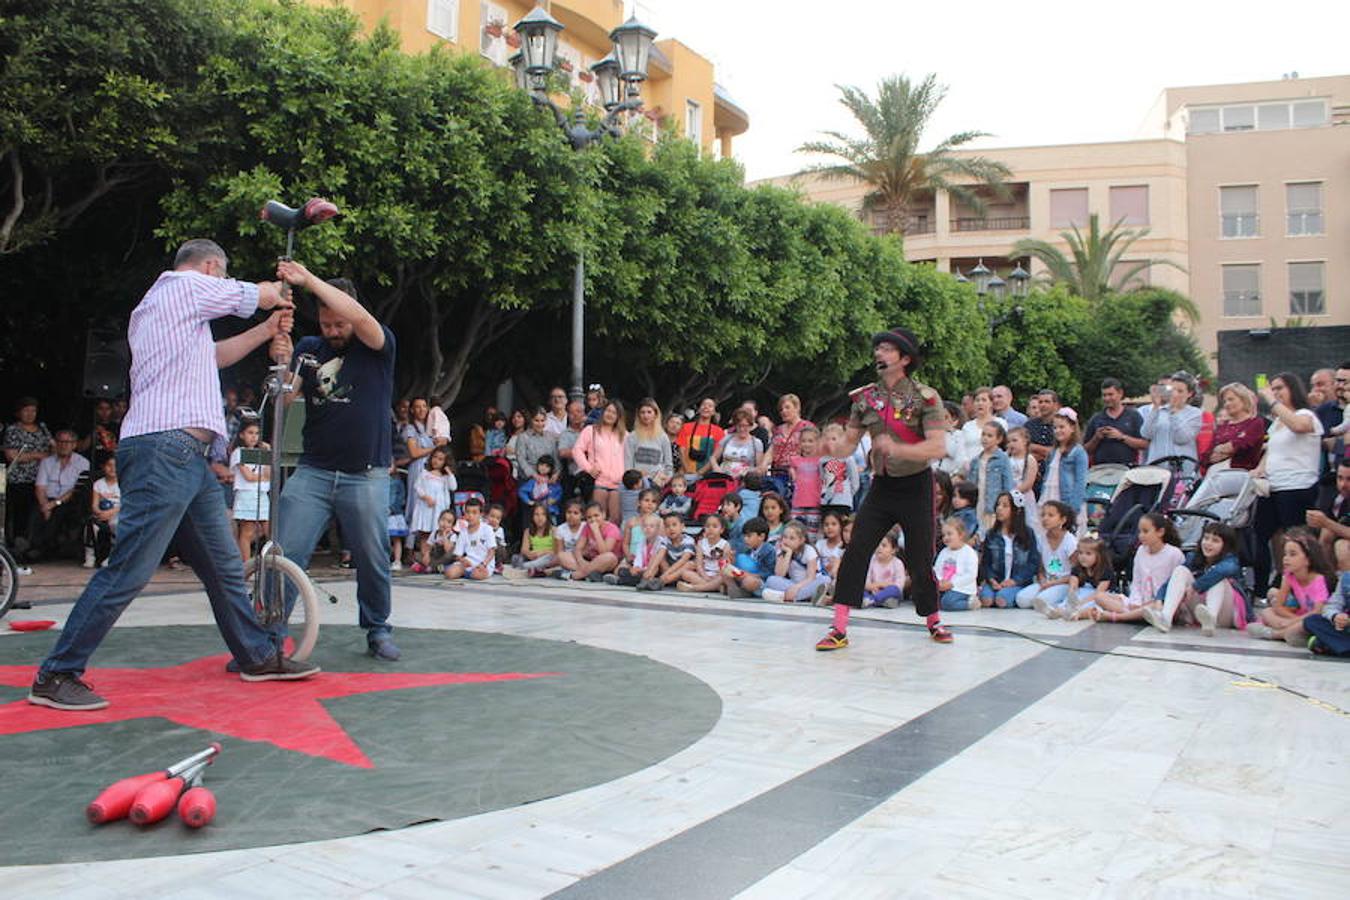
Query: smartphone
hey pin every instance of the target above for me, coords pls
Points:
(1262, 382)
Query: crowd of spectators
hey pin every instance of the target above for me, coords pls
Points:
(729, 500)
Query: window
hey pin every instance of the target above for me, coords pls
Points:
(693, 122)
(1129, 205)
(1242, 290)
(1304, 203)
(1068, 207)
(443, 18)
(1310, 114)
(1256, 116)
(1307, 296)
(1237, 208)
(1272, 116)
(1239, 118)
(1203, 121)
(492, 32)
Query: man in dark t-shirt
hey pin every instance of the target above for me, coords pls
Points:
(344, 466)
(1112, 435)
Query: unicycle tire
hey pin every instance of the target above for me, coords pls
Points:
(9, 581)
(305, 633)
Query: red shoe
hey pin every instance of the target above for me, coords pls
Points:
(834, 640)
(940, 633)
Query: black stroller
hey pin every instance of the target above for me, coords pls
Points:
(1157, 487)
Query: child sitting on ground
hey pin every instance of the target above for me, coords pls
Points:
(711, 554)
(536, 546)
(1155, 560)
(1304, 589)
(634, 538)
(565, 537)
(1206, 587)
(502, 552)
(638, 557)
(796, 574)
(830, 546)
(1092, 577)
(1057, 545)
(745, 577)
(885, 585)
(677, 501)
(475, 548)
(676, 553)
(774, 510)
(438, 548)
(957, 568)
(1009, 557)
(599, 547)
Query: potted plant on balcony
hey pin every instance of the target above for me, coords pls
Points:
(565, 64)
(586, 75)
(495, 28)
(513, 40)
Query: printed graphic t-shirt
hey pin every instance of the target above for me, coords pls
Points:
(347, 400)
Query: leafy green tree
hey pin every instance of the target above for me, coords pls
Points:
(887, 157)
(95, 102)
(1095, 264)
(460, 200)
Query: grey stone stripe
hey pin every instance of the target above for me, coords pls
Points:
(732, 851)
(1291, 653)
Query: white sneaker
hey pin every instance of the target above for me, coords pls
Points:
(772, 596)
(823, 595)
(396, 566)
(88, 558)
(1045, 609)
(1155, 617)
(1206, 619)
(1260, 630)
(515, 573)
(23, 570)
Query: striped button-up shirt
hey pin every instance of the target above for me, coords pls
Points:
(175, 382)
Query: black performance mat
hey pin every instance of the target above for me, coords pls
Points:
(465, 723)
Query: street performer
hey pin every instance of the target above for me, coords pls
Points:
(168, 489)
(905, 420)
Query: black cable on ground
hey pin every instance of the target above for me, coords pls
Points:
(1254, 679)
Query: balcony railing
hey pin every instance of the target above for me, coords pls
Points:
(908, 226)
(1002, 223)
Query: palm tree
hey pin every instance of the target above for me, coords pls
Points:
(1094, 263)
(887, 157)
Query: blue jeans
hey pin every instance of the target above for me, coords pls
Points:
(1008, 595)
(954, 600)
(360, 501)
(168, 493)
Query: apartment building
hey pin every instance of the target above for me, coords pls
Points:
(1245, 187)
(681, 84)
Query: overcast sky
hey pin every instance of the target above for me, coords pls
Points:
(1047, 72)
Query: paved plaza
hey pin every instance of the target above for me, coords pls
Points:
(1022, 761)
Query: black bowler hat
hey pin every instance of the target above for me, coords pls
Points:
(903, 340)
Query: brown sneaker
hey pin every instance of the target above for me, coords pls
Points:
(64, 690)
(279, 668)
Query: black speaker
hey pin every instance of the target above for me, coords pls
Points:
(107, 361)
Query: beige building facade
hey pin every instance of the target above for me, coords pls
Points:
(1245, 187)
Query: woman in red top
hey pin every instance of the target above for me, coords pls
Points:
(787, 439)
(1241, 436)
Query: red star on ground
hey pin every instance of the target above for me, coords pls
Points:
(201, 694)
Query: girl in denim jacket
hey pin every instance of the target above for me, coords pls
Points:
(991, 473)
(1207, 589)
(1066, 467)
(1010, 558)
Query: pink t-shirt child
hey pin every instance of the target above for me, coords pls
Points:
(1151, 572)
(805, 482)
(1305, 597)
(887, 573)
(609, 531)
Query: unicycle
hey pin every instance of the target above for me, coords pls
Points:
(270, 573)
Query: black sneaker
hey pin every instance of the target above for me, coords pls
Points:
(279, 668)
(63, 690)
(382, 647)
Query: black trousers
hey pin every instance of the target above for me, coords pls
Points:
(907, 502)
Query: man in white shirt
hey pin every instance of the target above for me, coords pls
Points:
(58, 477)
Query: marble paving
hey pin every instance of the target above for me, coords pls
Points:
(995, 767)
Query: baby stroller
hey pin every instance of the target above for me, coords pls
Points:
(708, 494)
(1102, 481)
(1143, 489)
(1227, 495)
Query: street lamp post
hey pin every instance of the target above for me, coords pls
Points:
(618, 76)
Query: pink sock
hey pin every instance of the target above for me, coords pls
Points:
(934, 619)
(840, 618)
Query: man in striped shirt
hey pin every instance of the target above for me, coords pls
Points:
(168, 489)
